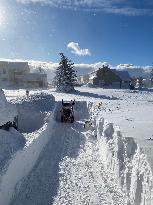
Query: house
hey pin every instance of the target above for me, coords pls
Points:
(124, 76)
(18, 74)
(83, 79)
(106, 77)
(10, 71)
(151, 82)
(35, 80)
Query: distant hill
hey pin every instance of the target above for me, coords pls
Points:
(136, 71)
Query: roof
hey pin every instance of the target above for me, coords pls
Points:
(92, 77)
(124, 75)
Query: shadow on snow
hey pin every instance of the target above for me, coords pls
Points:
(93, 95)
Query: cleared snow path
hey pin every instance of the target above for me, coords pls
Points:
(69, 170)
(41, 185)
(85, 181)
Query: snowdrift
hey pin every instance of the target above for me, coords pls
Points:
(125, 160)
(10, 142)
(34, 114)
(7, 111)
(33, 110)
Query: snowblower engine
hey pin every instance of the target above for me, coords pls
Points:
(67, 113)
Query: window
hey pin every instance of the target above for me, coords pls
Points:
(4, 71)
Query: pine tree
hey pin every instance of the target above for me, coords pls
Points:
(151, 74)
(151, 77)
(65, 75)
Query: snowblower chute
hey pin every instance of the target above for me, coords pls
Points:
(67, 113)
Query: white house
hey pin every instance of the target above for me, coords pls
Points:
(18, 74)
(10, 70)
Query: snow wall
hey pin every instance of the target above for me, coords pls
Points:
(33, 110)
(10, 141)
(125, 160)
(24, 160)
(7, 110)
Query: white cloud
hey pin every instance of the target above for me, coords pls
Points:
(136, 71)
(75, 48)
(126, 7)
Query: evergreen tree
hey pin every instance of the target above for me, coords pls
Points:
(151, 77)
(140, 82)
(151, 74)
(65, 75)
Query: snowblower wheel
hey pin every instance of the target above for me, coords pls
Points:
(72, 119)
(62, 119)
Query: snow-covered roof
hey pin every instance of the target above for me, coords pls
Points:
(124, 75)
(7, 110)
(17, 66)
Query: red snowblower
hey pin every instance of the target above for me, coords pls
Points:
(67, 113)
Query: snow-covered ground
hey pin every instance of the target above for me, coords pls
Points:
(107, 163)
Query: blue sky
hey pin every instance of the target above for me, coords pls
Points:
(87, 31)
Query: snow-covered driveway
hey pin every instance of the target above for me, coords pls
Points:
(101, 165)
(69, 170)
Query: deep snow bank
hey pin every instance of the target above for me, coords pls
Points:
(22, 163)
(7, 111)
(23, 160)
(33, 110)
(127, 162)
(10, 142)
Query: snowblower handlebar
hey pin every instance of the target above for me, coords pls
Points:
(64, 103)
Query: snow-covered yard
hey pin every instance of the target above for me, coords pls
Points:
(107, 163)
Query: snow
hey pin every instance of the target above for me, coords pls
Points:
(32, 111)
(10, 142)
(23, 161)
(8, 111)
(109, 162)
